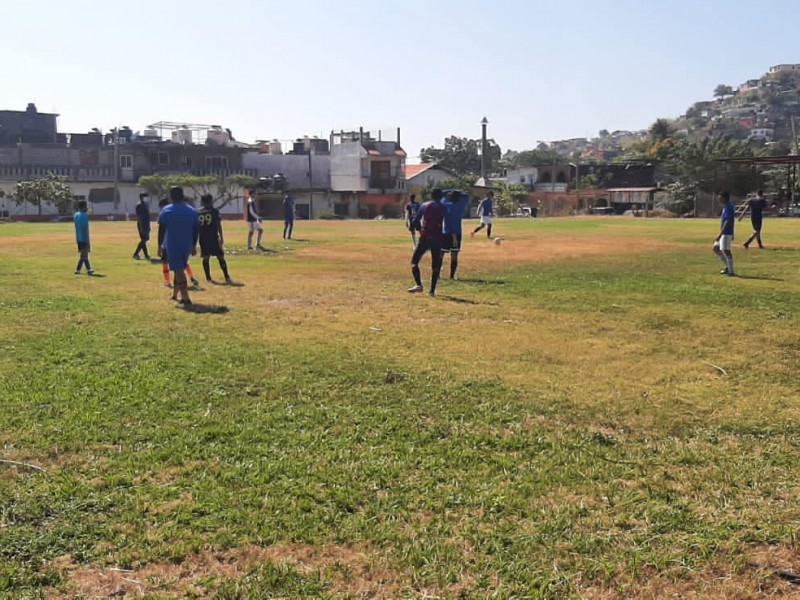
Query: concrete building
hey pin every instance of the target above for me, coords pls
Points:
(369, 171)
(29, 126)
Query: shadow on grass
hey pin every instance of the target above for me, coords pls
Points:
(482, 281)
(458, 300)
(758, 277)
(95, 275)
(227, 283)
(204, 309)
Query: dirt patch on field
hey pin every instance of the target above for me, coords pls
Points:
(367, 575)
(765, 572)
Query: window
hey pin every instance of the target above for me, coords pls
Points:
(126, 161)
(216, 163)
(158, 159)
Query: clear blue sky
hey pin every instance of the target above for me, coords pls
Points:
(266, 69)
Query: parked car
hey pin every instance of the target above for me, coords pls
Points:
(603, 210)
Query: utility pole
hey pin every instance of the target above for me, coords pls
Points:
(115, 137)
(310, 187)
(484, 123)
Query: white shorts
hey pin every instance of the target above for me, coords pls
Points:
(725, 242)
(255, 226)
(486, 220)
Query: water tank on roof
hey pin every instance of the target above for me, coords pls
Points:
(150, 132)
(299, 147)
(182, 136)
(319, 146)
(275, 147)
(218, 136)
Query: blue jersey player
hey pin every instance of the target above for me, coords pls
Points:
(724, 241)
(455, 203)
(178, 229)
(485, 212)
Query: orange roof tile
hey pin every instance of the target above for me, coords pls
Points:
(413, 170)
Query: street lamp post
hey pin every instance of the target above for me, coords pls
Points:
(484, 123)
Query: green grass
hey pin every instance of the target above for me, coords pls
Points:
(554, 425)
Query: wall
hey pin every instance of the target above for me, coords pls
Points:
(346, 167)
(293, 166)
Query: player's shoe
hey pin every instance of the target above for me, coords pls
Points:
(195, 282)
(432, 294)
(415, 289)
(746, 246)
(724, 272)
(249, 247)
(136, 257)
(90, 272)
(77, 272)
(167, 284)
(228, 280)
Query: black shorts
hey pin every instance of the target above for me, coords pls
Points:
(144, 233)
(210, 248)
(756, 224)
(83, 246)
(452, 242)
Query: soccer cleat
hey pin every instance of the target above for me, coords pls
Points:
(77, 272)
(249, 247)
(228, 280)
(136, 257)
(167, 284)
(195, 282)
(432, 294)
(90, 272)
(724, 272)
(415, 290)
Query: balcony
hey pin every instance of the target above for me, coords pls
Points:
(386, 184)
(17, 173)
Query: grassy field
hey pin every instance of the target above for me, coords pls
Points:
(591, 411)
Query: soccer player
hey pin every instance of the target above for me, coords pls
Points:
(143, 225)
(254, 224)
(411, 211)
(288, 217)
(178, 229)
(165, 259)
(756, 207)
(454, 204)
(724, 242)
(211, 239)
(431, 217)
(485, 212)
(81, 220)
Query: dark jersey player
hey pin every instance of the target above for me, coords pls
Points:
(211, 238)
(430, 218)
(756, 207)
(455, 203)
(143, 226)
(411, 212)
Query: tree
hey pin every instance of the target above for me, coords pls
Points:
(533, 158)
(696, 168)
(507, 198)
(455, 183)
(462, 155)
(224, 189)
(723, 90)
(50, 189)
(661, 130)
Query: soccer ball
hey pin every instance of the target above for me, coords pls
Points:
(497, 241)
